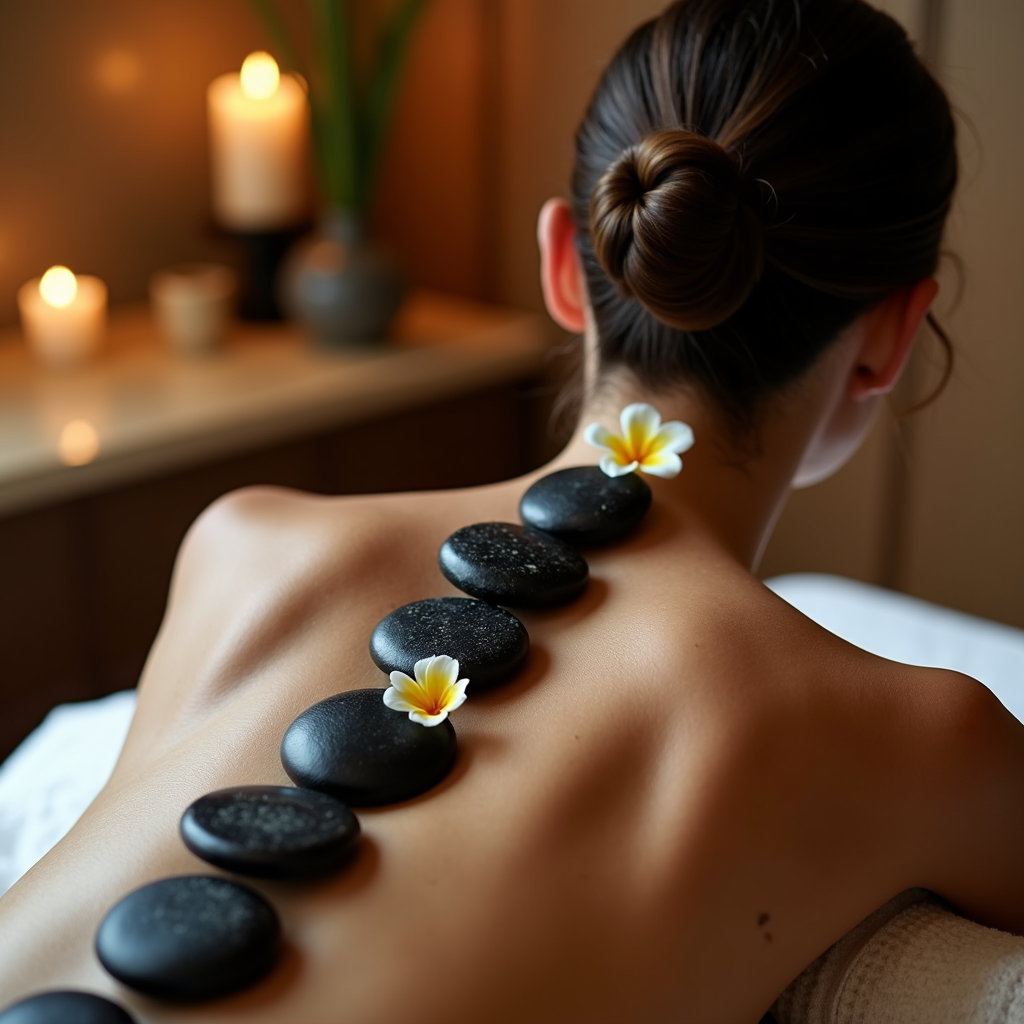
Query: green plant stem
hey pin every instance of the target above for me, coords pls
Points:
(338, 117)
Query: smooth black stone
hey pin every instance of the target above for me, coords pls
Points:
(513, 565)
(190, 938)
(66, 1008)
(353, 746)
(271, 831)
(585, 506)
(490, 644)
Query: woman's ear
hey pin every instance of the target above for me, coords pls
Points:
(561, 276)
(892, 326)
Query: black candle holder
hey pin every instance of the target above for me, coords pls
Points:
(260, 254)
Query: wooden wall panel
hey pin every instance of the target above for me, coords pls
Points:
(47, 652)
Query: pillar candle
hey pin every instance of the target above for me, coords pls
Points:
(259, 125)
(63, 316)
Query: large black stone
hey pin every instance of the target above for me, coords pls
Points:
(190, 938)
(271, 831)
(585, 506)
(353, 746)
(490, 644)
(66, 1008)
(513, 565)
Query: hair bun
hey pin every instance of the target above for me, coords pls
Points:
(669, 225)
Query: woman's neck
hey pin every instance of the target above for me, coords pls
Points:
(730, 497)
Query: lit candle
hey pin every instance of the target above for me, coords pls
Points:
(63, 316)
(259, 124)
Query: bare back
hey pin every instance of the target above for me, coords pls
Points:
(688, 794)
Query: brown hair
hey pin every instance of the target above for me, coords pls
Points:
(750, 176)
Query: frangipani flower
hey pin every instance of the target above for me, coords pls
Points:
(646, 443)
(434, 692)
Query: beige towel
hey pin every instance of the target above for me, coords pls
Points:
(912, 962)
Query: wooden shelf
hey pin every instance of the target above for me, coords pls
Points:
(155, 411)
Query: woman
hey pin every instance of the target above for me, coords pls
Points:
(692, 790)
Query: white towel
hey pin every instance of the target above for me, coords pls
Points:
(912, 962)
(49, 781)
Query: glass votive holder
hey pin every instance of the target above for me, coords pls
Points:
(192, 305)
(63, 316)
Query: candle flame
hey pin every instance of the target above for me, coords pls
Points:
(260, 76)
(78, 444)
(58, 287)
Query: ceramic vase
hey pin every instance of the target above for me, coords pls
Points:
(339, 285)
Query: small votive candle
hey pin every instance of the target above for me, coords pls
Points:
(63, 316)
(192, 304)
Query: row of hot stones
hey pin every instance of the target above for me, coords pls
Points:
(198, 937)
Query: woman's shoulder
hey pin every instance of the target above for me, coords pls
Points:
(277, 519)
(262, 537)
(281, 518)
(807, 705)
(264, 571)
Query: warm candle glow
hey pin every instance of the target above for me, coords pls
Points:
(78, 444)
(64, 316)
(260, 76)
(259, 135)
(58, 287)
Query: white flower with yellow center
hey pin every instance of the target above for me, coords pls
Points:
(646, 444)
(434, 692)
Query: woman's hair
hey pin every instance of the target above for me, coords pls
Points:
(752, 175)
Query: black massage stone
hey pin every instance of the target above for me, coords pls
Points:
(271, 831)
(490, 644)
(190, 938)
(513, 565)
(356, 748)
(584, 506)
(66, 1008)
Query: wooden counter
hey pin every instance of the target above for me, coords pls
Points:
(154, 411)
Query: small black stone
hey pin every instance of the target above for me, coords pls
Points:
(190, 938)
(513, 565)
(271, 831)
(585, 506)
(66, 1008)
(353, 746)
(490, 644)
